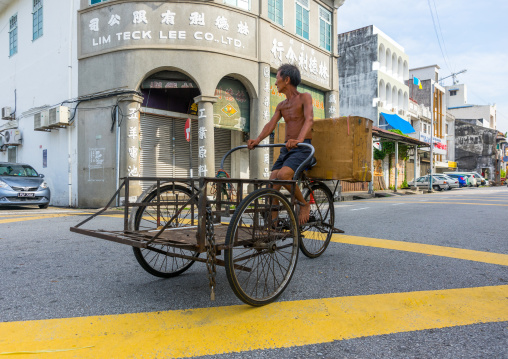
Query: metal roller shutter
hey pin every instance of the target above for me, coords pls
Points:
(156, 156)
(165, 152)
(222, 146)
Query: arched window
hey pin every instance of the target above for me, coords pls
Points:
(382, 57)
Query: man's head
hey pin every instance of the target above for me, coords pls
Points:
(291, 72)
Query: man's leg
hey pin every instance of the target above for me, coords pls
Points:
(286, 174)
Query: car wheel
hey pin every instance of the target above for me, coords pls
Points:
(435, 187)
(43, 206)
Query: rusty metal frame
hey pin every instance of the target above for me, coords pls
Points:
(220, 207)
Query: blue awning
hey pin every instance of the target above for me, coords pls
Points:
(397, 123)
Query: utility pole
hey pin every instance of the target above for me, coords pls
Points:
(431, 133)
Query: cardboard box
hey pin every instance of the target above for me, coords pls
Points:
(343, 148)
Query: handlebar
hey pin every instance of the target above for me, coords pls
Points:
(298, 170)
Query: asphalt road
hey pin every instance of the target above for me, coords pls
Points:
(50, 273)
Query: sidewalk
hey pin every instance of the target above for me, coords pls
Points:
(351, 196)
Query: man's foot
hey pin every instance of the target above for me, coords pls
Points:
(303, 216)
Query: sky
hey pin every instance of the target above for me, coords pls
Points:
(473, 35)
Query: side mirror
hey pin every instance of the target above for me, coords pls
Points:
(41, 175)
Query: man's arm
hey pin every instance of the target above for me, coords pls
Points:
(269, 127)
(308, 114)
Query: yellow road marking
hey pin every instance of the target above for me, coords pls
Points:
(426, 202)
(21, 219)
(451, 252)
(211, 331)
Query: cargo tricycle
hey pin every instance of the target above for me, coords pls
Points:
(256, 237)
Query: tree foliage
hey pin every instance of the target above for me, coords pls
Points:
(387, 148)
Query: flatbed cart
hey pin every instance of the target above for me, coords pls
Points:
(177, 219)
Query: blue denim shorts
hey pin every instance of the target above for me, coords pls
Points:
(293, 158)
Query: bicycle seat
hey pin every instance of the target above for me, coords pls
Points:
(312, 163)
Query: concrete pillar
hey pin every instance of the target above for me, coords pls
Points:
(396, 165)
(129, 141)
(260, 165)
(332, 104)
(206, 146)
(415, 163)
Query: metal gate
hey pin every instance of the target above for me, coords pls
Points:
(165, 151)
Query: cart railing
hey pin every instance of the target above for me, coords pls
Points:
(298, 170)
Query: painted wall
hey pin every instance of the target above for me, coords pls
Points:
(43, 73)
(475, 148)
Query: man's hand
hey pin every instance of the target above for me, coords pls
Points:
(252, 143)
(290, 144)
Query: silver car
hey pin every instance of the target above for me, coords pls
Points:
(21, 185)
(452, 182)
(438, 183)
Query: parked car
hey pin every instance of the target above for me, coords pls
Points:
(21, 185)
(473, 177)
(452, 182)
(439, 183)
(463, 181)
(472, 180)
(481, 181)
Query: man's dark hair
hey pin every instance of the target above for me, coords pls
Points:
(292, 72)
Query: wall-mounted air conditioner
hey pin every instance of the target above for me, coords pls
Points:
(59, 116)
(41, 121)
(381, 104)
(6, 113)
(402, 112)
(12, 137)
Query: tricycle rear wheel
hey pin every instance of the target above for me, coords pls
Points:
(317, 232)
(261, 247)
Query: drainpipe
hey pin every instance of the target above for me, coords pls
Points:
(117, 155)
(69, 94)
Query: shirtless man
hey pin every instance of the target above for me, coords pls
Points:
(298, 114)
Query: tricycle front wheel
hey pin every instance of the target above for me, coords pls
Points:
(261, 247)
(158, 259)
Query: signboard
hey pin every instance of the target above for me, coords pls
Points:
(318, 98)
(165, 25)
(314, 64)
(232, 109)
(44, 158)
(452, 164)
(187, 129)
(167, 84)
(439, 146)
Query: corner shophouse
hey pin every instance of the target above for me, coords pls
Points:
(210, 62)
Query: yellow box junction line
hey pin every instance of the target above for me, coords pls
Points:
(210, 331)
(450, 252)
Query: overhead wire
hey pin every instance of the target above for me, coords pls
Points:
(437, 35)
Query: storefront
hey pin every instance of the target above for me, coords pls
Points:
(206, 62)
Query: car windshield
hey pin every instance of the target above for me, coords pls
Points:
(17, 170)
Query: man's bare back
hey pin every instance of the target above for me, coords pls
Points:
(299, 117)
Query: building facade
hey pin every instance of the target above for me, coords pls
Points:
(432, 98)
(373, 68)
(456, 99)
(165, 88)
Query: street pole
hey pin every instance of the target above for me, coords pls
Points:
(431, 133)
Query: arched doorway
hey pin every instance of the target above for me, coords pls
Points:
(168, 103)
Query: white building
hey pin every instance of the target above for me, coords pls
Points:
(372, 71)
(458, 106)
(38, 70)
